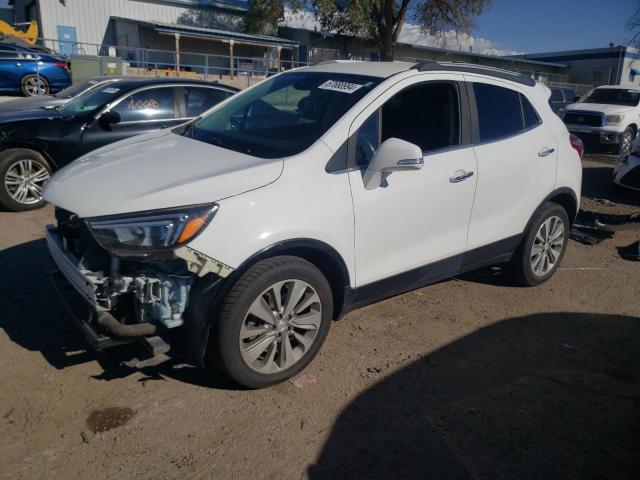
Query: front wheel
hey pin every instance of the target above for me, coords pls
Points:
(272, 323)
(544, 244)
(23, 174)
(626, 142)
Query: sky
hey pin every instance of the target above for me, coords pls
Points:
(546, 25)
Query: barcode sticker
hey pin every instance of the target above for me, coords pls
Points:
(337, 86)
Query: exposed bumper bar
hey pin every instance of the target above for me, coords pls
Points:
(68, 264)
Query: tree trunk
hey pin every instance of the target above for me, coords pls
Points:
(387, 52)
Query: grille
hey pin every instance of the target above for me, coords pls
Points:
(591, 119)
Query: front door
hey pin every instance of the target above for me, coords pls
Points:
(67, 40)
(143, 111)
(415, 218)
(517, 159)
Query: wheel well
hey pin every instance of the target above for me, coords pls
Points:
(322, 256)
(566, 201)
(39, 151)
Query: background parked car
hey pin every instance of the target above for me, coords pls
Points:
(561, 97)
(19, 72)
(57, 99)
(36, 142)
(626, 173)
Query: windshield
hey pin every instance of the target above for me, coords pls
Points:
(90, 100)
(612, 96)
(284, 115)
(77, 88)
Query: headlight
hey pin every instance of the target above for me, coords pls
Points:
(613, 119)
(146, 233)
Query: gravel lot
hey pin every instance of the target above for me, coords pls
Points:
(472, 378)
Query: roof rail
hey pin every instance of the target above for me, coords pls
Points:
(431, 66)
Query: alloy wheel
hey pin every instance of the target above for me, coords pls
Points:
(25, 180)
(34, 86)
(627, 141)
(280, 326)
(547, 246)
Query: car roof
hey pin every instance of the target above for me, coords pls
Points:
(127, 83)
(616, 87)
(387, 69)
(357, 67)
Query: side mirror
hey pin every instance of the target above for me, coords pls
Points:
(108, 118)
(394, 155)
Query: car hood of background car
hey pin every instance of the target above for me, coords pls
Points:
(600, 108)
(29, 104)
(154, 171)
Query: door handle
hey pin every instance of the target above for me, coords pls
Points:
(459, 176)
(546, 151)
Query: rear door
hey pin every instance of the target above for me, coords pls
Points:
(145, 110)
(199, 99)
(517, 159)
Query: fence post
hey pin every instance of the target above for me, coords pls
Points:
(206, 66)
(177, 35)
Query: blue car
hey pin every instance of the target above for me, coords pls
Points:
(20, 74)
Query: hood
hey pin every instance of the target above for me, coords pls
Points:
(600, 107)
(30, 103)
(26, 115)
(153, 171)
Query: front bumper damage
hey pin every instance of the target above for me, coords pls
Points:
(125, 301)
(596, 135)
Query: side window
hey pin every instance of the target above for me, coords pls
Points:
(200, 99)
(6, 54)
(151, 104)
(426, 115)
(499, 111)
(556, 95)
(531, 117)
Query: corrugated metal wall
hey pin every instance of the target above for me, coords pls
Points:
(91, 17)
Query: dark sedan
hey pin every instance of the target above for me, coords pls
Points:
(57, 99)
(34, 143)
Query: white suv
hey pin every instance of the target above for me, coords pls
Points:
(608, 115)
(317, 191)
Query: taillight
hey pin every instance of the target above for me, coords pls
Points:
(577, 144)
(62, 65)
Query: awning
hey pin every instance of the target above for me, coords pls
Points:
(214, 34)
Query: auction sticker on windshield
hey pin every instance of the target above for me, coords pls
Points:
(337, 86)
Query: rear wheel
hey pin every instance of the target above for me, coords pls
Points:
(541, 251)
(34, 85)
(23, 174)
(272, 323)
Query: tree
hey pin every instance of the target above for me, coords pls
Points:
(263, 16)
(634, 26)
(382, 20)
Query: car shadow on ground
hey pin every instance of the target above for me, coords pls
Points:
(33, 317)
(597, 183)
(552, 395)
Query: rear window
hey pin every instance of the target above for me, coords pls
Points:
(502, 112)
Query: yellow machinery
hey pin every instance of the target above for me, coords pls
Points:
(29, 36)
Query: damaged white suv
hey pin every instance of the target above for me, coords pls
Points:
(312, 193)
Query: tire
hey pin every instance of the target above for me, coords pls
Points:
(234, 356)
(23, 174)
(626, 142)
(522, 266)
(30, 86)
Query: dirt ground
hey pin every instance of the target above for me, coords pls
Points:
(472, 378)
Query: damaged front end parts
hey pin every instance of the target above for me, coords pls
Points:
(127, 270)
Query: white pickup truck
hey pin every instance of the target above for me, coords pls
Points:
(608, 115)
